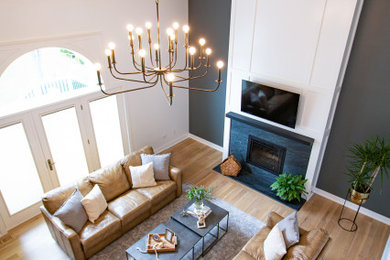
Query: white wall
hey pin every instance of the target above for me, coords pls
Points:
(150, 120)
(299, 46)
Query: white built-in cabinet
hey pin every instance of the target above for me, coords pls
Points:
(300, 46)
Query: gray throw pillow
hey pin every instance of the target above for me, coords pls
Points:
(290, 229)
(160, 164)
(72, 212)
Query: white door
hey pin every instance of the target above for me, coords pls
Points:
(54, 129)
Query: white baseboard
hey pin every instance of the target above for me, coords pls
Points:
(208, 143)
(353, 206)
(171, 143)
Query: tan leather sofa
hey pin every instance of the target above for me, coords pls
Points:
(127, 207)
(312, 244)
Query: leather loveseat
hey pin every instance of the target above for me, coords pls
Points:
(312, 244)
(127, 207)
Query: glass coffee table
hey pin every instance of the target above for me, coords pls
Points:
(217, 224)
(192, 241)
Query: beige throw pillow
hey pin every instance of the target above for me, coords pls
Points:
(94, 203)
(142, 176)
(274, 245)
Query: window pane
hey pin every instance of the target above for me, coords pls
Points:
(44, 76)
(20, 184)
(63, 134)
(105, 120)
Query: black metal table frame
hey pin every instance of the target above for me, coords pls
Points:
(217, 238)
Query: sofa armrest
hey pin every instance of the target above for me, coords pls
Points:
(272, 219)
(324, 249)
(175, 175)
(66, 237)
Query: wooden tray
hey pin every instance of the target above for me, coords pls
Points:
(168, 247)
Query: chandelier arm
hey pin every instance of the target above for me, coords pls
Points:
(124, 91)
(126, 73)
(201, 89)
(175, 58)
(131, 80)
(150, 53)
(162, 87)
(191, 77)
(137, 65)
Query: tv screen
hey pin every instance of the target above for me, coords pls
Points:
(270, 103)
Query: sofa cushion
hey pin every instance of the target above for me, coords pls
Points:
(242, 255)
(290, 229)
(255, 246)
(106, 228)
(129, 206)
(134, 159)
(309, 246)
(84, 186)
(160, 164)
(54, 199)
(111, 180)
(94, 203)
(72, 212)
(159, 192)
(274, 245)
(142, 176)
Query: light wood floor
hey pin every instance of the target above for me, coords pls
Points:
(32, 239)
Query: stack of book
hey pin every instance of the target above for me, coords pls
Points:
(205, 209)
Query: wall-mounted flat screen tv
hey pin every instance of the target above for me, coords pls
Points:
(270, 103)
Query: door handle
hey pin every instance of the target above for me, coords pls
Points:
(50, 163)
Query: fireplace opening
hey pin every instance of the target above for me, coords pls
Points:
(265, 155)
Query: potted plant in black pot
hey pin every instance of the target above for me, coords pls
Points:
(368, 160)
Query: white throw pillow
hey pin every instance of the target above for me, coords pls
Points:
(94, 203)
(274, 245)
(142, 176)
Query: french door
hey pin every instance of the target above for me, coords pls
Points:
(53, 146)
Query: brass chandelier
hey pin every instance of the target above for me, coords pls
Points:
(155, 73)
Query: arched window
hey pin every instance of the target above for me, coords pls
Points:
(45, 76)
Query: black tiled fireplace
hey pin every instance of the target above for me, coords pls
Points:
(265, 151)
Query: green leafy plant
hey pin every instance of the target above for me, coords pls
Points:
(367, 161)
(289, 187)
(199, 193)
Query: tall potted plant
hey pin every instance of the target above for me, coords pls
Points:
(368, 160)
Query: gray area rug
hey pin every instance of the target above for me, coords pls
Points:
(241, 228)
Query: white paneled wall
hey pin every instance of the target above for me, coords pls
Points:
(299, 46)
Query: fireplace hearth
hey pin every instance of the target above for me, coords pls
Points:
(265, 151)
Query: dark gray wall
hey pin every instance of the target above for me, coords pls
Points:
(363, 109)
(211, 20)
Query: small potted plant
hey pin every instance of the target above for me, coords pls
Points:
(198, 194)
(368, 160)
(289, 187)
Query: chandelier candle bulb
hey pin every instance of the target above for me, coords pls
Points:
(186, 29)
(98, 68)
(111, 45)
(208, 52)
(108, 54)
(220, 65)
(148, 26)
(175, 26)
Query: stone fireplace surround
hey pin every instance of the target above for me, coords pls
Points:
(294, 151)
